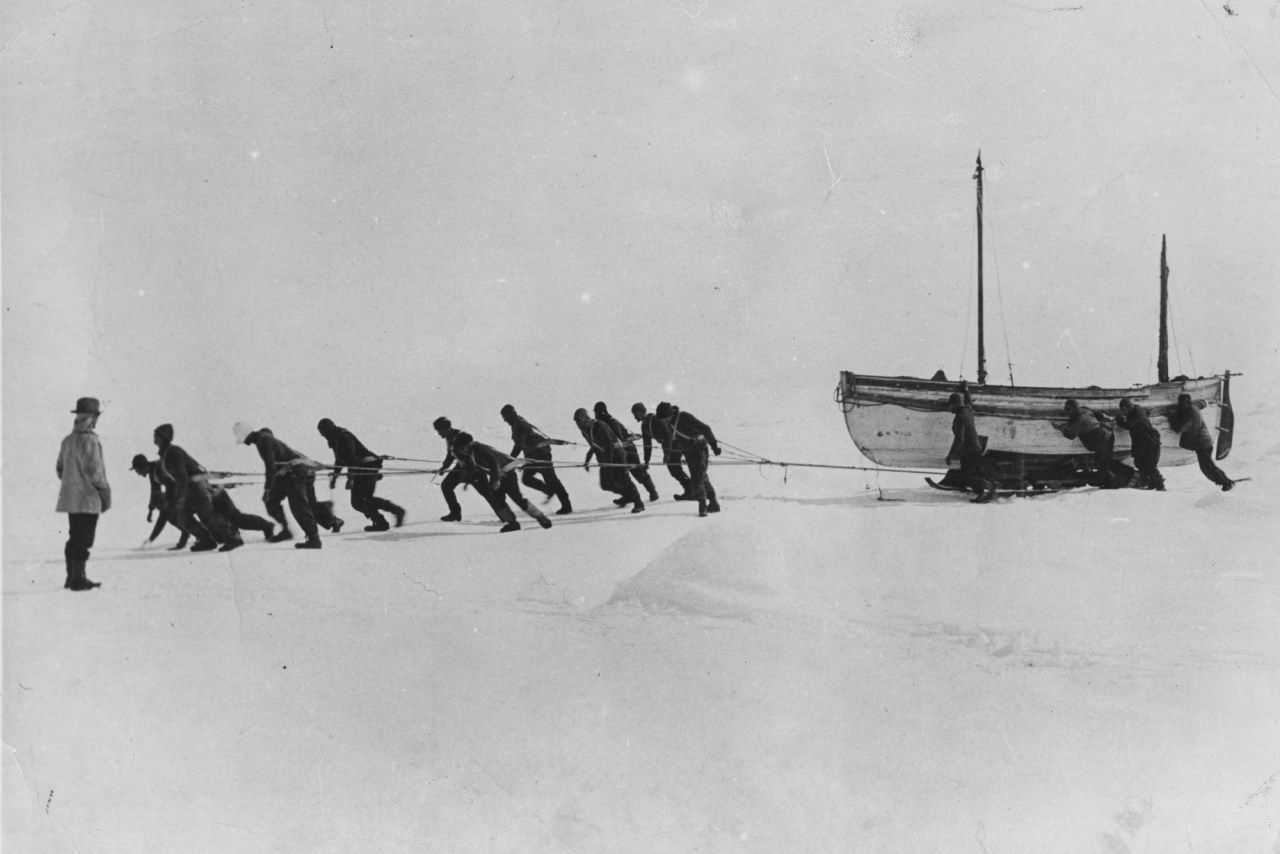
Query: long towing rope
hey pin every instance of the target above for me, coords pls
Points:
(737, 457)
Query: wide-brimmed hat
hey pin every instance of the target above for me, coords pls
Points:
(87, 406)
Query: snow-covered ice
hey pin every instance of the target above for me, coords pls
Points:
(822, 666)
(384, 212)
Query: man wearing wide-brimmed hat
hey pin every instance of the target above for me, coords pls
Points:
(85, 492)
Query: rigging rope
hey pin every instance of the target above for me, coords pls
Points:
(1004, 324)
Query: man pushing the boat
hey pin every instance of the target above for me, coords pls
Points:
(966, 447)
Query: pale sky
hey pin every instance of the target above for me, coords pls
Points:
(382, 212)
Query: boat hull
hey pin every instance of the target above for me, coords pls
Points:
(902, 422)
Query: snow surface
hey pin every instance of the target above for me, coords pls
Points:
(817, 668)
(384, 212)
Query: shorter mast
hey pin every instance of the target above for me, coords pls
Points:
(1162, 361)
(982, 348)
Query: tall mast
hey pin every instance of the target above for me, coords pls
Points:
(1162, 361)
(982, 347)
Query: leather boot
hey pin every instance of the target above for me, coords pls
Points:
(67, 586)
(78, 580)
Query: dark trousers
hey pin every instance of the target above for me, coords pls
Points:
(614, 478)
(495, 499)
(226, 508)
(458, 477)
(1210, 468)
(81, 530)
(364, 501)
(540, 474)
(199, 503)
(700, 487)
(973, 472)
(638, 471)
(509, 487)
(1146, 458)
(671, 459)
(300, 490)
(451, 482)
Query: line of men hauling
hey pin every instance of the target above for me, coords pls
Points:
(184, 495)
(1095, 431)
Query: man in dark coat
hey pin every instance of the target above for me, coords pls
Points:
(608, 450)
(1144, 441)
(150, 469)
(653, 429)
(188, 488)
(364, 470)
(458, 471)
(1095, 432)
(539, 469)
(1193, 435)
(225, 507)
(290, 475)
(499, 470)
(693, 439)
(966, 446)
(638, 470)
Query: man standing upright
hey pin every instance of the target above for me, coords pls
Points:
(1144, 440)
(539, 468)
(84, 493)
(692, 438)
(653, 428)
(364, 470)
